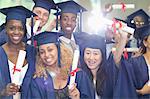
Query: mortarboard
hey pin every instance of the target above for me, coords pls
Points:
(49, 37)
(46, 4)
(71, 7)
(143, 31)
(17, 13)
(95, 42)
(141, 13)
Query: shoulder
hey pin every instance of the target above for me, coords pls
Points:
(81, 75)
(136, 60)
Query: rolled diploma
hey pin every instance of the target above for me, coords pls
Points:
(37, 24)
(19, 64)
(124, 28)
(74, 66)
(128, 49)
(119, 6)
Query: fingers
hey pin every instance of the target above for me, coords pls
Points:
(11, 89)
(74, 92)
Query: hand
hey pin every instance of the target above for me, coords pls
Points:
(144, 90)
(138, 53)
(74, 92)
(124, 35)
(108, 8)
(11, 89)
(52, 24)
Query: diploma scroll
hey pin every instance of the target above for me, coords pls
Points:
(19, 64)
(128, 49)
(74, 66)
(127, 6)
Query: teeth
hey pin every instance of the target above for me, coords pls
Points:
(68, 28)
(91, 62)
(16, 38)
(48, 60)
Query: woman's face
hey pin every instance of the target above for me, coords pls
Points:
(15, 31)
(48, 54)
(93, 58)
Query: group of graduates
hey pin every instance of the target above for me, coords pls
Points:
(47, 68)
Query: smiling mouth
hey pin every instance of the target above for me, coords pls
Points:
(68, 28)
(91, 63)
(16, 37)
(48, 60)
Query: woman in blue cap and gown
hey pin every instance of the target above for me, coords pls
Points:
(134, 73)
(93, 62)
(55, 85)
(15, 29)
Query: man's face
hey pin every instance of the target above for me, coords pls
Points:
(43, 15)
(139, 21)
(68, 22)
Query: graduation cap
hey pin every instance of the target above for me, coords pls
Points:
(17, 13)
(49, 37)
(95, 42)
(71, 7)
(143, 31)
(140, 13)
(46, 4)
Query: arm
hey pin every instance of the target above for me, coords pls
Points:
(120, 45)
(144, 90)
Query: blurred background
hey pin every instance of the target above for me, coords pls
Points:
(90, 19)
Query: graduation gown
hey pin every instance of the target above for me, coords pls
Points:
(44, 89)
(133, 74)
(3, 37)
(111, 73)
(5, 74)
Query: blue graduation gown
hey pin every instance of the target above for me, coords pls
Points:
(3, 37)
(111, 73)
(4, 71)
(44, 89)
(133, 74)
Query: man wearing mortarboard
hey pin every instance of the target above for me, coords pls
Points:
(137, 19)
(68, 21)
